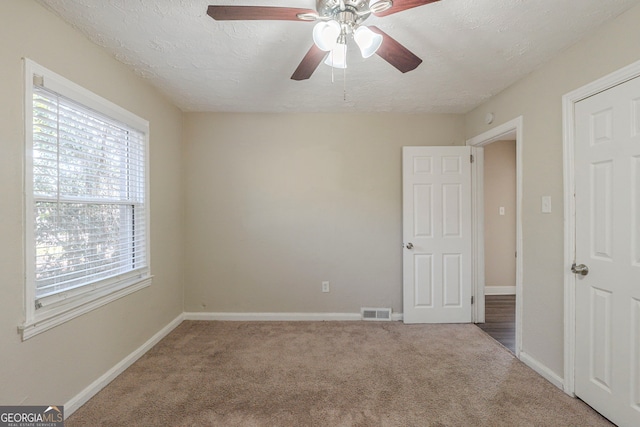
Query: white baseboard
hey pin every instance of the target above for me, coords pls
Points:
(288, 317)
(543, 370)
(81, 398)
(499, 290)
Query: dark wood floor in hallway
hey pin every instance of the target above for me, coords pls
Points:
(500, 319)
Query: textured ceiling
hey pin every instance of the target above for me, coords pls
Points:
(472, 49)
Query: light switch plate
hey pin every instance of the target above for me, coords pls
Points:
(546, 204)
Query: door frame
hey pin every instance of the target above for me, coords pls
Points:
(509, 130)
(568, 146)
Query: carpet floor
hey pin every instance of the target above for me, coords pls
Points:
(330, 374)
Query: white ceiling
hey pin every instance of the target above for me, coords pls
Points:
(472, 49)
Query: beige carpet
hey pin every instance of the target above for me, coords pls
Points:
(330, 374)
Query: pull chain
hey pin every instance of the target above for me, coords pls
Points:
(344, 82)
(344, 74)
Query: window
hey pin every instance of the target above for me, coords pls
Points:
(86, 201)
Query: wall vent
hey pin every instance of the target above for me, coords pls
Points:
(375, 313)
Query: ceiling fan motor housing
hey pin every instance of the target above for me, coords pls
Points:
(354, 13)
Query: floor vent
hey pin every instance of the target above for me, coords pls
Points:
(376, 313)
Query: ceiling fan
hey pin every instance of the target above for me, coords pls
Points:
(337, 19)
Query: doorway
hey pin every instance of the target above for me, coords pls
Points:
(500, 242)
(510, 131)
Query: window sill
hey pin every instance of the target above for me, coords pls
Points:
(47, 320)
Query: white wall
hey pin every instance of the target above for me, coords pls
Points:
(277, 203)
(500, 230)
(54, 366)
(538, 98)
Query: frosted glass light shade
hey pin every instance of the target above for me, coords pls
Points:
(325, 35)
(337, 57)
(368, 41)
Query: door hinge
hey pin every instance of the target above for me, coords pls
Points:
(471, 158)
(471, 299)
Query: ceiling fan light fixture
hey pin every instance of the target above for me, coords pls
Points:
(377, 6)
(368, 41)
(325, 35)
(337, 57)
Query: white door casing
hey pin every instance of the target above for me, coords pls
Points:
(607, 241)
(437, 234)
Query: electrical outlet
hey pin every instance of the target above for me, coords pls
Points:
(325, 286)
(546, 204)
(501, 210)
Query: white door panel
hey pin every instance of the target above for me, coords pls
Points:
(607, 176)
(437, 225)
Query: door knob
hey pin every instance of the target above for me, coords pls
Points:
(409, 245)
(581, 269)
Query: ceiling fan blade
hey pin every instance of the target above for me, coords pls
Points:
(262, 13)
(309, 63)
(394, 53)
(400, 5)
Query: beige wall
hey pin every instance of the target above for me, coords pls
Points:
(538, 98)
(500, 230)
(278, 203)
(54, 366)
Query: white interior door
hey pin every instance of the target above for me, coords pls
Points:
(607, 177)
(436, 188)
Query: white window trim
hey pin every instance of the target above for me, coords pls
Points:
(71, 306)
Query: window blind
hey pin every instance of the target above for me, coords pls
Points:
(88, 196)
